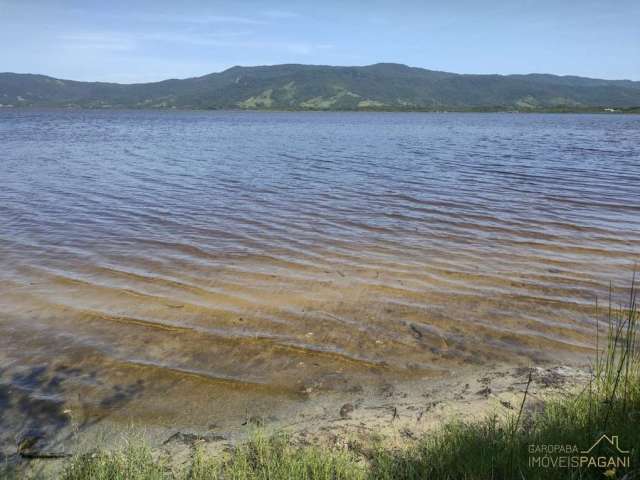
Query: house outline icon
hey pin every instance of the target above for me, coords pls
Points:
(613, 440)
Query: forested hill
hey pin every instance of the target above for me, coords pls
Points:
(314, 87)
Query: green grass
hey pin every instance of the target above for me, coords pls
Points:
(133, 462)
(275, 458)
(495, 447)
(498, 448)
(261, 458)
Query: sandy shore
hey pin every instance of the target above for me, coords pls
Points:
(398, 413)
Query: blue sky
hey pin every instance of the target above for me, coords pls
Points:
(137, 41)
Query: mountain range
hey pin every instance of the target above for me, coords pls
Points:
(383, 86)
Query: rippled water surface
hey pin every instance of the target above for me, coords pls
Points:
(154, 256)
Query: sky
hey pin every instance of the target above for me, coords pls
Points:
(148, 40)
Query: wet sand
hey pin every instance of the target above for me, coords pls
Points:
(396, 413)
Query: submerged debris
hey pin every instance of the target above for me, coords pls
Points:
(192, 438)
(346, 410)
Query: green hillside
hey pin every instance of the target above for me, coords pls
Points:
(314, 87)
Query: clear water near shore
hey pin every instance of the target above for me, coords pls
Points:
(155, 264)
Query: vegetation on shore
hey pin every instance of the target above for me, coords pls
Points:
(379, 87)
(495, 447)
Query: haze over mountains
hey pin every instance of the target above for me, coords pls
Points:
(382, 86)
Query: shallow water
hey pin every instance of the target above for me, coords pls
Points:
(155, 264)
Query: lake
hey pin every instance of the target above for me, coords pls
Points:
(169, 266)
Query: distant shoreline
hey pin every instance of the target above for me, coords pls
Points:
(589, 111)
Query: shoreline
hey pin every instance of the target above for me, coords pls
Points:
(598, 111)
(397, 414)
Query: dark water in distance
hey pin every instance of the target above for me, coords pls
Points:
(276, 252)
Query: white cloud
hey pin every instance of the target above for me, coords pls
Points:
(280, 14)
(215, 39)
(302, 48)
(203, 19)
(221, 19)
(119, 41)
(98, 41)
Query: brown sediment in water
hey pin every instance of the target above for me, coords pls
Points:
(182, 345)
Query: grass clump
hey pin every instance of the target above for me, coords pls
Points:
(494, 447)
(276, 458)
(133, 462)
(262, 458)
